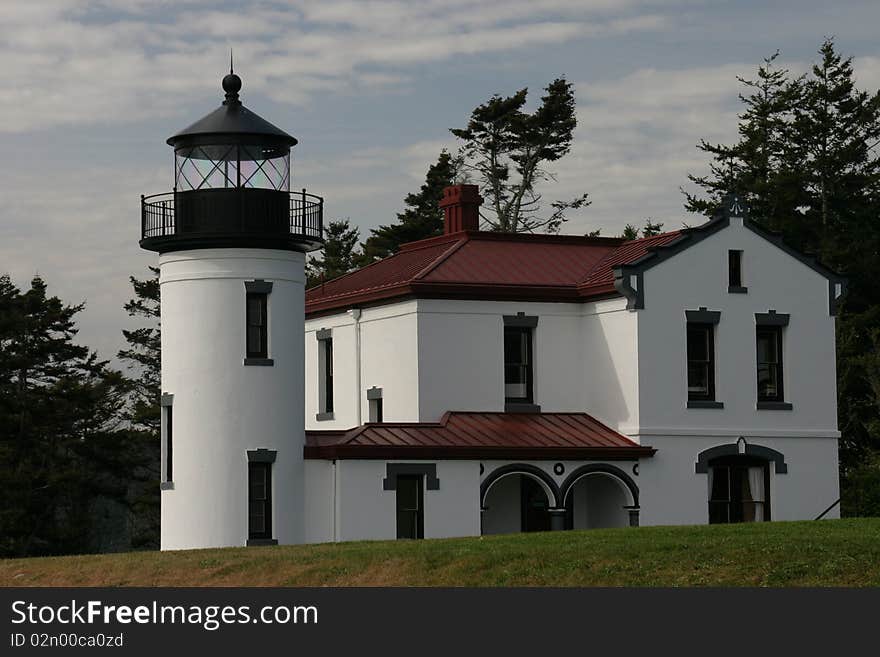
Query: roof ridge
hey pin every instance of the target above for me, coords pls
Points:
(441, 258)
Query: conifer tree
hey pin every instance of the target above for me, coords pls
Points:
(422, 217)
(60, 448)
(338, 255)
(807, 162)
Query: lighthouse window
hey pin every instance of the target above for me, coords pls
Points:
(259, 500)
(257, 334)
(167, 430)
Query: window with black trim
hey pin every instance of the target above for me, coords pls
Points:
(257, 331)
(738, 490)
(769, 367)
(259, 500)
(410, 506)
(700, 361)
(376, 411)
(325, 375)
(518, 369)
(734, 265)
(169, 443)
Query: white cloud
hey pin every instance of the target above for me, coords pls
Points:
(97, 61)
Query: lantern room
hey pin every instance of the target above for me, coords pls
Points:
(231, 187)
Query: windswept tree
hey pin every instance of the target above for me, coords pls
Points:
(422, 217)
(507, 149)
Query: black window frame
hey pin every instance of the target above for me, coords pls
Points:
(417, 515)
(529, 365)
(169, 443)
(709, 329)
(777, 335)
(733, 507)
(263, 327)
(327, 374)
(735, 271)
(266, 468)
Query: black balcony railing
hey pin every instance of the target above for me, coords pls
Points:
(232, 217)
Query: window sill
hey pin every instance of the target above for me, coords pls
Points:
(321, 417)
(521, 407)
(259, 361)
(704, 403)
(737, 289)
(261, 541)
(774, 406)
(166, 485)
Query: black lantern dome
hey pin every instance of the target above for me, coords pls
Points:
(231, 187)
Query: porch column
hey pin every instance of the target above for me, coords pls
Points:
(557, 519)
(633, 515)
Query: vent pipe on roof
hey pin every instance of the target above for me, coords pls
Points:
(461, 208)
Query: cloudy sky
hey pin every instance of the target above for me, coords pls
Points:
(90, 90)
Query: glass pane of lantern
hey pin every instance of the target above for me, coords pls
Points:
(206, 167)
(265, 168)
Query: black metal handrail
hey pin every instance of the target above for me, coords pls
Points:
(306, 217)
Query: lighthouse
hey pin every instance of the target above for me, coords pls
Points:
(231, 240)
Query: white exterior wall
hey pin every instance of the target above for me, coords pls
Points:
(672, 493)
(388, 360)
(222, 408)
(583, 357)
(367, 511)
(774, 280)
(807, 435)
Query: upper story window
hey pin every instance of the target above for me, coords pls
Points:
(325, 375)
(257, 322)
(769, 351)
(519, 370)
(701, 358)
(701, 361)
(735, 275)
(518, 364)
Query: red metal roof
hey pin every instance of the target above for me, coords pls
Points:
(477, 265)
(473, 435)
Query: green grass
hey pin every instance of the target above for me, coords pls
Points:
(823, 553)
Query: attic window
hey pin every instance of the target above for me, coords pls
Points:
(734, 277)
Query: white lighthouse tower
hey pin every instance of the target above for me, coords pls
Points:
(231, 239)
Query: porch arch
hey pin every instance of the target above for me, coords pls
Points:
(626, 482)
(551, 489)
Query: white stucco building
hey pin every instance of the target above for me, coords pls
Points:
(474, 382)
(523, 382)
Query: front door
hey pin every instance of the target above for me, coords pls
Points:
(535, 508)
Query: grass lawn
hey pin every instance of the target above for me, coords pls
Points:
(816, 553)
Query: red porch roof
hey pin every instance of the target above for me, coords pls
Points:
(472, 435)
(480, 265)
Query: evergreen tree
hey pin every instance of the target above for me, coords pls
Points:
(650, 229)
(143, 412)
(59, 412)
(422, 217)
(808, 165)
(630, 232)
(338, 256)
(506, 148)
(762, 165)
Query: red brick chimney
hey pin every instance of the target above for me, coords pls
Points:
(461, 208)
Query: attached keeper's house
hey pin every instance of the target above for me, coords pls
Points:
(474, 382)
(484, 383)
